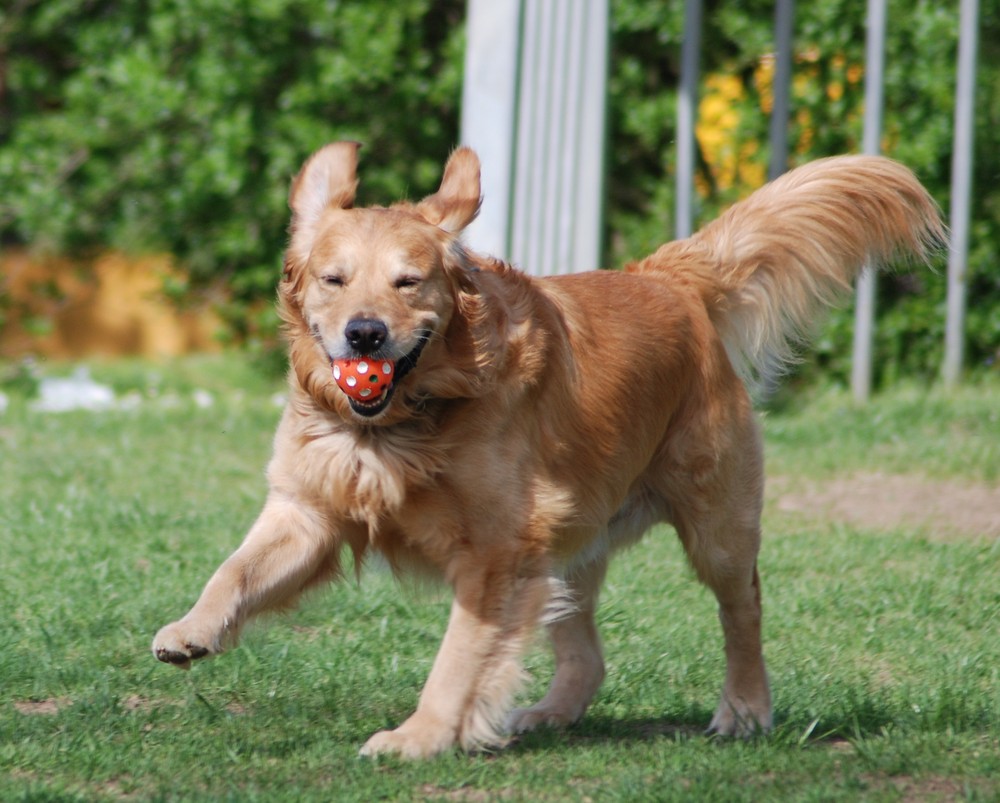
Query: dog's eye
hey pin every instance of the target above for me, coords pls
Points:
(332, 280)
(404, 282)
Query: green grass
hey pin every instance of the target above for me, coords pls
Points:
(911, 429)
(884, 648)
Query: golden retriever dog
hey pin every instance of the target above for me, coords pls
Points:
(518, 431)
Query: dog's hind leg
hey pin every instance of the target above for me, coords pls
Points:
(745, 705)
(579, 668)
(722, 538)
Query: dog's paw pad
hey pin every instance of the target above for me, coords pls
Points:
(179, 644)
(181, 659)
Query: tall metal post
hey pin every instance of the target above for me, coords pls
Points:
(490, 91)
(687, 115)
(784, 18)
(533, 106)
(864, 312)
(961, 190)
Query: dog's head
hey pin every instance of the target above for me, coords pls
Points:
(379, 285)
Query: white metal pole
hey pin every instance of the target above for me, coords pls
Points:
(687, 115)
(864, 311)
(489, 110)
(784, 18)
(961, 190)
(591, 130)
(558, 163)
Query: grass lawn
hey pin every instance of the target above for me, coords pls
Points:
(883, 646)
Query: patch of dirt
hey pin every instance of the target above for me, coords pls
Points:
(53, 705)
(48, 707)
(432, 792)
(136, 702)
(941, 508)
(923, 790)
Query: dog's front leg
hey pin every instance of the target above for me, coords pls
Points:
(476, 671)
(288, 548)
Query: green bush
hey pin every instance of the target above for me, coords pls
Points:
(921, 47)
(175, 125)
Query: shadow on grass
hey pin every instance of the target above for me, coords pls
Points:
(866, 721)
(605, 729)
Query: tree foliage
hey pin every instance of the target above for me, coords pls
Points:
(152, 125)
(176, 124)
(826, 118)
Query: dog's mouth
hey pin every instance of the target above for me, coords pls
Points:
(369, 407)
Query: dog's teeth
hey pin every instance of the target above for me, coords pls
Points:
(366, 402)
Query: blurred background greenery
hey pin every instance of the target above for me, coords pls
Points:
(167, 131)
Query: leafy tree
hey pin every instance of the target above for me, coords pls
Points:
(152, 125)
(176, 125)
(826, 118)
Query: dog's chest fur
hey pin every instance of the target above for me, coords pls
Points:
(365, 476)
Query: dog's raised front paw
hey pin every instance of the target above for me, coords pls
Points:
(179, 644)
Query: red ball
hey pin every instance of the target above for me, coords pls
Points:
(363, 378)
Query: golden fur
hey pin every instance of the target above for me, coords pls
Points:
(544, 424)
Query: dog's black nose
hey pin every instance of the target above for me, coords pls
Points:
(366, 335)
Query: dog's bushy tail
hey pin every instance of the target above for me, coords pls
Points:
(770, 261)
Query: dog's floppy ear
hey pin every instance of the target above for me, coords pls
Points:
(328, 178)
(456, 203)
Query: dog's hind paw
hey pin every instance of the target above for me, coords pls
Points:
(523, 720)
(740, 720)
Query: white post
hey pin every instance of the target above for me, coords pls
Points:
(533, 106)
(687, 116)
(489, 109)
(864, 312)
(784, 18)
(961, 191)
